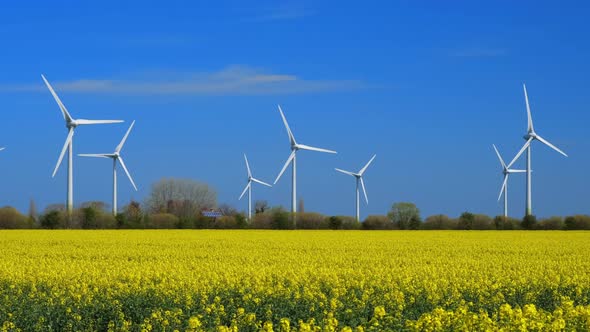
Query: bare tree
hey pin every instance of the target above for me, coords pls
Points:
(97, 205)
(181, 197)
(227, 210)
(260, 206)
(32, 212)
(301, 205)
(59, 207)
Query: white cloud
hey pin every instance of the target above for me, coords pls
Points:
(233, 80)
(281, 12)
(480, 52)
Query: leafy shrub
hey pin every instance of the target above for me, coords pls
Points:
(261, 221)
(466, 221)
(10, 218)
(311, 220)
(551, 223)
(335, 222)
(439, 221)
(349, 222)
(163, 221)
(577, 222)
(378, 222)
(529, 222)
(52, 219)
(225, 222)
(482, 222)
(281, 219)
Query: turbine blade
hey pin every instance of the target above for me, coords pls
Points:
(526, 145)
(503, 186)
(550, 145)
(127, 172)
(245, 189)
(362, 171)
(64, 111)
(528, 110)
(311, 148)
(291, 156)
(96, 155)
(499, 157)
(261, 182)
(345, 172)
(291, 137)
(92, 122)
(63, 150)
(2, 148)
(120, 146)
(247, 166)
(364, 190)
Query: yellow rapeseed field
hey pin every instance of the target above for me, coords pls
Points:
(189, 280)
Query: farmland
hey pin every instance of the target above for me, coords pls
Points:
(293, 280)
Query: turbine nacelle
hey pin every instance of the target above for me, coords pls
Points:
(116, 156)
(248, 187)
(295, 147)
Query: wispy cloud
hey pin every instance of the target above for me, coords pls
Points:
(479, 52)
(233, 80)
(286, 11)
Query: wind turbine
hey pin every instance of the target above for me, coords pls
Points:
(506, 171)
(293, 160)
(359, 179)
(249, 187)
(116, 156)
(530, 136)
(71, 124)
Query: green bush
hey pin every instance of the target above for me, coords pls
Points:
(349, 222)
(262, 221)
(281, 219)
(310, 220)
(163, 221)
(52, 220)
(482, 222)
(378, 222)
(466, 221)
(529, 222)
(552, 223)
(335, 222)
(225, 222)
(577, 222)
(10, 218)
(439, 221)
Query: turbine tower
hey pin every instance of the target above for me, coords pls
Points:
(71, 124)
(293, 160)
(530, 136)
(249, 187)
(116, 156)
(506, 171)
(359, 179)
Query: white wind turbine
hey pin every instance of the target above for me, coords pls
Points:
(359, 179)
(293, 160)
(506, 171)
(71, 124)
(116, 156)
(530, 136)
(249, 187)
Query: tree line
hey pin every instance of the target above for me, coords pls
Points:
(179, 204)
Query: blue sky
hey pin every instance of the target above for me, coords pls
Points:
(426, 85)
